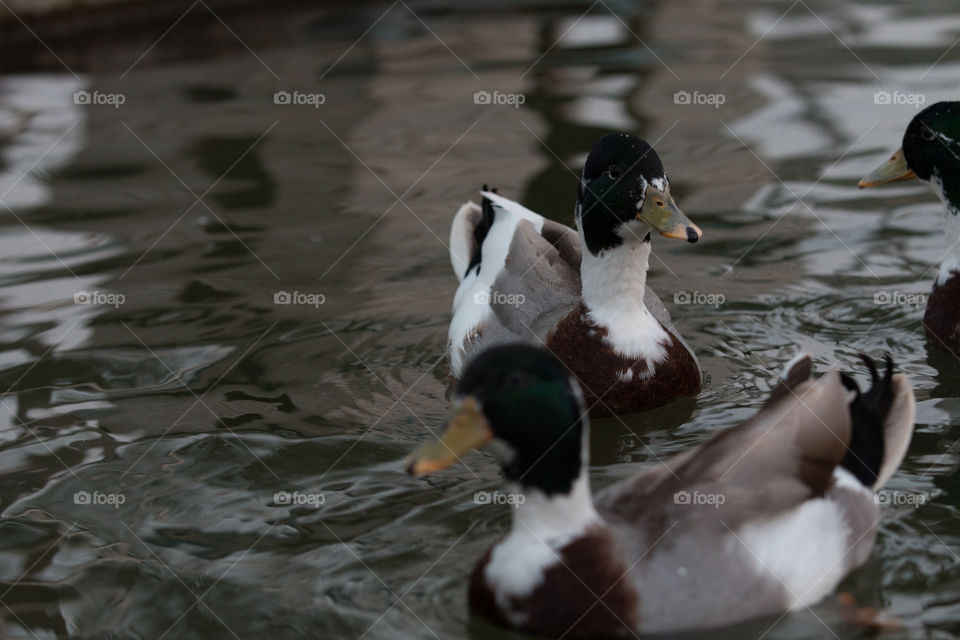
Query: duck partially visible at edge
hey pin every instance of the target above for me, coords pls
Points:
(931, 153)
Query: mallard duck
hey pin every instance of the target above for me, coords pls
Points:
(930, 149)
(583, 296)
(762, 518)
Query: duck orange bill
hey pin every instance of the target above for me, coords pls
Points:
(662, 213)
(468, 429)
(893, 170)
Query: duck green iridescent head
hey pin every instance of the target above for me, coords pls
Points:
(930, 152)
(623, 182)
(523, 405)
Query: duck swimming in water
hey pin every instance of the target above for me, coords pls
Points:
(581, 294)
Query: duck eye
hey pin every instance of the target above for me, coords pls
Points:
(516, 380)
(614, 172)
(927, 133)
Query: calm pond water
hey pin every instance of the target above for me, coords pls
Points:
(150, 425)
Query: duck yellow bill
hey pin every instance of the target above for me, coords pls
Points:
(467, 429)
(662, 213)
(893, 170)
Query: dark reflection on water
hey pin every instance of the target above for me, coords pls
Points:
(199, 461)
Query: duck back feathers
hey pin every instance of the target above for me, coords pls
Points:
(766, 516)
(520, 274)
(520, 279)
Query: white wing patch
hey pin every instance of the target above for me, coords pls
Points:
(471, 303)
(804, 549)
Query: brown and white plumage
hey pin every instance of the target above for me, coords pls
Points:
(582, 295)
(763, 518)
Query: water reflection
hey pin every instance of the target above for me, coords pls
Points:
(199, 398)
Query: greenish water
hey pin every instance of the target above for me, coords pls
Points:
(185, 398)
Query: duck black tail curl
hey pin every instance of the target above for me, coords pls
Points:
(868, 410)
(481, 230)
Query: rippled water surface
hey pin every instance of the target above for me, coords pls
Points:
(181, 398)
